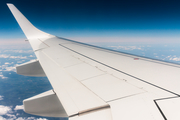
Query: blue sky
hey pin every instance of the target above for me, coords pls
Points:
(123, 20)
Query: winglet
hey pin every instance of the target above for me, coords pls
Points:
(29, 30)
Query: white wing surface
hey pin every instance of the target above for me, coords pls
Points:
(92, 83)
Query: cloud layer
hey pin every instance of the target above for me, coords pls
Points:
(126, 47)
(4, 110)
(7, 113)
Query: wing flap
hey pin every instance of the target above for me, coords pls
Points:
(87, 70)
(109, 86)
(32, 68)
(45, 104)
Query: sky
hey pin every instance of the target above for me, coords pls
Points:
(153, 21)
(103, 21)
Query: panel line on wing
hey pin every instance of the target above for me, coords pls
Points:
(99, 99)
(121, 71)
(44, 42)
(39, 49)
(93, 77)
(72, 65)
(159, 108)
(124, 53)
(124, 97)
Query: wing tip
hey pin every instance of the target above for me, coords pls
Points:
(8, 4)
(29, 30)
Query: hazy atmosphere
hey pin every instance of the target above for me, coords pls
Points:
(154, 21)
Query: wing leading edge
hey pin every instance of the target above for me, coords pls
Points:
(95, 83)
(75, 98)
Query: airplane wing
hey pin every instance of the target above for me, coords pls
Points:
(93, 83)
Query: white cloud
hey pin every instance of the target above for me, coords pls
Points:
(19, 107)
(20, 51)
(20, 57)
(13, 117)
(6, 67)
(7, 111)
(12, 57)
(41, 119)
(126, 47)
(30, 118)
(31, 56)
(1, 97)
(175, 58)
(10, 69)
(2, 77)
(4, 110)
(1, 118)
(20, 118)
(4, 56)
